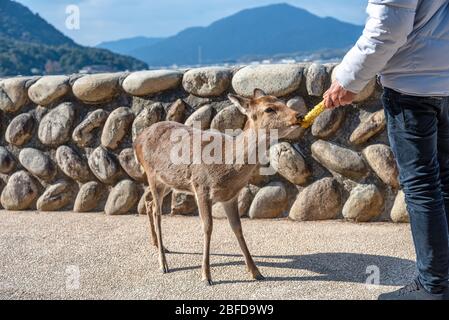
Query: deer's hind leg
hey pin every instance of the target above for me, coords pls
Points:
(232, 212)
(158, 193)
(150, 210)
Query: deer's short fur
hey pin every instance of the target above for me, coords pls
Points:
(209, 183)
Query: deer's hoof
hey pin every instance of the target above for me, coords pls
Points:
(164, 269)
(259, 277)
(208, 282)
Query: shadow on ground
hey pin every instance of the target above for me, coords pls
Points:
(346, 267)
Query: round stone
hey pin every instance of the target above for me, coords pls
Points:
(372, 126)
(13, 94)
(328, 123)
(97, 88)
(103, 165)
(344, 161)
(201, 118)
(399, 212)
(20, 130)
(316, 79)
(122, 199)
(55, 127)
(83, 133)
(72, 164)
(289, 163)
(365, 203)
(37, 163)
(183, 203)
(129, 163)
(55, 197)
(20, 192)
(144, 83)
(229, 118)
(177, 111)
(89, 197)
(7, 162)
(382, 161)
(208, 81)
(270, 202)
(49, 89)
(116, 127)
(245, 199)
(299, 105)
(146, 118)
(277, 80)
(321, 200)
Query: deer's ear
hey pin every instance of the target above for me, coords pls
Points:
(259, 93)
(240, 102)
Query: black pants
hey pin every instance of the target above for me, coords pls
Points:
(418, 130)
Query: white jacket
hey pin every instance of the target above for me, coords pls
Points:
(407, 43)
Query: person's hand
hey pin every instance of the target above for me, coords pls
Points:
(338, 96)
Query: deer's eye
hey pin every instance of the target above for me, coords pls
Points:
(270, 110)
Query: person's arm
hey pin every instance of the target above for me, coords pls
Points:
(389, 24)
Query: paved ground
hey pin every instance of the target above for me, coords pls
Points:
(41, 255)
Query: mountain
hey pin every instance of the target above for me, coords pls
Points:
(264, 31)
(125, 46)
(29, 44)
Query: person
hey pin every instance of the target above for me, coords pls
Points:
(406, 43)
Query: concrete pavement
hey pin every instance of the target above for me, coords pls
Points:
(93, 256)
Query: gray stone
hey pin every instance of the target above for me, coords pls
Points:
(277, 80)
(229, 118)
(372, 126)
(72, 164)
(7, 162)
(218, 211)
(328, 123)
(270, 202)
(146, 118)
(202, 117)
(97, 88)
(344, 161)
(316, 79)
(103, 165)
(13, 94)
(365, 203)
(322, 200)
(20, 130)
(183, 203)
(55, 197)
(116, 127)
(37, 163)
(55, 127)
(20, 192)
(82, 135)
(89, 197)
(289, 163)
(144, 83)
(382, 161)
(299, 105)
(122, 199)
(49, 89)
(177, 111)
(399, 212)
(208, 81)
(245, 199)
(129, 163)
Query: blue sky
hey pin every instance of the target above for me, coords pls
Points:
(103, 20)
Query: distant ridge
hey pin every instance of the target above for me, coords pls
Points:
(126, 46)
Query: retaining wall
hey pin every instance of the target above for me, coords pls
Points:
(66, 143)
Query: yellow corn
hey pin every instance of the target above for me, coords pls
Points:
(312, 115)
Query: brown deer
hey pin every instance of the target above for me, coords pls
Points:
(212, 182)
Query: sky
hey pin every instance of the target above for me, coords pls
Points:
(105, 20)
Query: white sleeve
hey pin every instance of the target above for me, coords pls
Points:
(389, 24)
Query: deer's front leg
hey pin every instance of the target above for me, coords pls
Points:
(232, 212)
(205, 210)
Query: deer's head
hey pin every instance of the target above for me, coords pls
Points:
(267, 113)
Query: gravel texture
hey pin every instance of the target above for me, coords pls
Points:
(41, 254)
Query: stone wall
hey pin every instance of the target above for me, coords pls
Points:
(66, 143)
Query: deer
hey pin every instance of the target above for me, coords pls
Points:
(209, 182)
